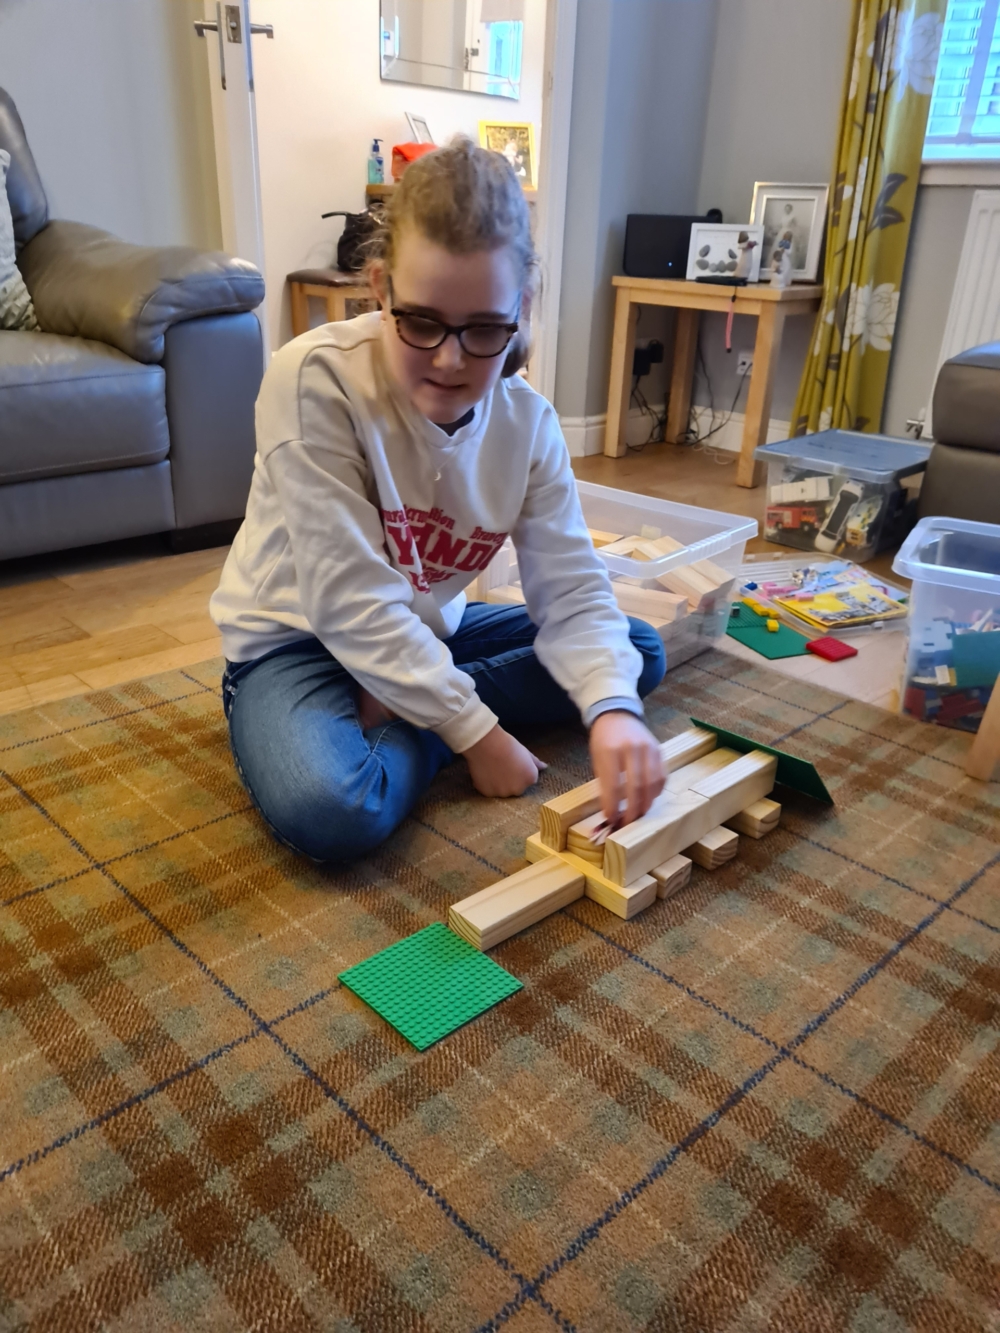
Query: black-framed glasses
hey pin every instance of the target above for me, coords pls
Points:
(427, 334)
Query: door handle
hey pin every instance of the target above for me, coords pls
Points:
(202, 26)
(266, 28)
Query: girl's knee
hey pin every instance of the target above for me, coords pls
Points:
(326, 825)
(654, 657)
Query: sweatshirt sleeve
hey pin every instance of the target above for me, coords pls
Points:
(357, 603)
(583, 637)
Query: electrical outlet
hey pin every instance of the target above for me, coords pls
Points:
(744, 363)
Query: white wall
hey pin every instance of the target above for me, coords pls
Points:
(774, 109)
(115, 102)
(320, 101)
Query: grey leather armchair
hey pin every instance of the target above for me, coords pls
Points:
(963, 471)
(133, 411)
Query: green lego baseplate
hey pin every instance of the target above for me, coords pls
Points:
(429, 984)
(747, 627)
(792, 772)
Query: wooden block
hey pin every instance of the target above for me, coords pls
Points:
(624, 900)
(603, 538)
(684, 778)
(717, 847)
(757, 819)
(649, 601)
(507, 595)
(494, 914)
(685, 582)
(678, 819)
(672, 876)
(624, 546)
(721, 580)
(560, 814)
(658, 547)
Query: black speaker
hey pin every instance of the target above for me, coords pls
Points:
(656, 244)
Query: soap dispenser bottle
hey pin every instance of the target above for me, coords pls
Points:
(376, 164)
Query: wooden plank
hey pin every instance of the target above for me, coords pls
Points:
(714, 849)
(600, 538)
(622, 353)
(648, 601)
(678, 819)
(623, 901)
(623, 546)
(682, 374)
(684, 581)
(562, 812)
(672, 876)
(495, 913)
(766, 352)
(757, 820)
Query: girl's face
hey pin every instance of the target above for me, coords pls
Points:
(479, 288)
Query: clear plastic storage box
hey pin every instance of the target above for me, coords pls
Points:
(842, 492)
(706, 534)
(953, 652)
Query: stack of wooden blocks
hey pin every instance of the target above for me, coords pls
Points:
(711, 795)
(660, 601)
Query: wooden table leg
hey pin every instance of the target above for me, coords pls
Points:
(766, 352)
(685, 348)
(300, 309)
(620, 387)
(982, 758)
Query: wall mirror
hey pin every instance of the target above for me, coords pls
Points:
(471, 46)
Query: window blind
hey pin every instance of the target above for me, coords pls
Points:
(964, 120)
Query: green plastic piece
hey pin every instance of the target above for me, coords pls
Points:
(792, 772)
(429, 984)
(747, 627)
(976, 658)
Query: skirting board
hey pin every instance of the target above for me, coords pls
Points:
(585, 435)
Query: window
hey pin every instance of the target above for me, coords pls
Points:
(964, 120)
(505, 58)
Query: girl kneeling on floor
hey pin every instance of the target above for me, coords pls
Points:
(395, 452)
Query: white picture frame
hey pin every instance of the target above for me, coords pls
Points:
(419, 128)
(714, 250)
(799, 211)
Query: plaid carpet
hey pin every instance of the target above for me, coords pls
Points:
(771, 1103)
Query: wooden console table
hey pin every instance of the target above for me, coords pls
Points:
(771, 306)
(331, 285)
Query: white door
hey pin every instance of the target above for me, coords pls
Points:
(227, 33)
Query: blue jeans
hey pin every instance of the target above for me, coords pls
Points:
(332, 792)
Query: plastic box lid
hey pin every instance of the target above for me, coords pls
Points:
(953, 552)
(706, 532)
(873, 458)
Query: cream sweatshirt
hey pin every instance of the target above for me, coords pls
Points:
(365, 522)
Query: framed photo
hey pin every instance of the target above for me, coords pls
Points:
(717, 248)
(514, 141)
(419, 128)
(794, 217)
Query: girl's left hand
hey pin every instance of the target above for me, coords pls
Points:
(626, 760)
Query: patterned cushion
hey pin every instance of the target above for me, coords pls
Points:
(16, 310)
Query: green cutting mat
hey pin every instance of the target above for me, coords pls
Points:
(746, 626)
(792, 771)
(429, 984)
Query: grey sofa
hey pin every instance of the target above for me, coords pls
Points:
(133, 411)
(963, 471)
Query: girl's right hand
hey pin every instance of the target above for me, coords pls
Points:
(501, 766)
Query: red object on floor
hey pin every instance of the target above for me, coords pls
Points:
(832, 649)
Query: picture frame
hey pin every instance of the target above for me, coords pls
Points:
(514, 140)
(715, 248)
(798, 214)
(419, 128)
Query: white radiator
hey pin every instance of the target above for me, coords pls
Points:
(974, 314)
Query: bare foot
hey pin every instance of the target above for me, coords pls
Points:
(371, 713)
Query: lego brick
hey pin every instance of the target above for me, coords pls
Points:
(429, 984)
(832, 649)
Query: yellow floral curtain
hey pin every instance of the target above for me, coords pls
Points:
(882, 128)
